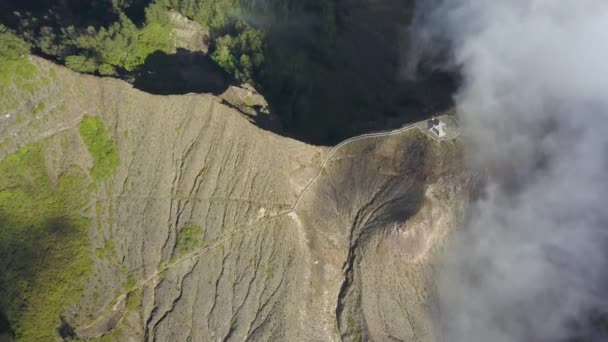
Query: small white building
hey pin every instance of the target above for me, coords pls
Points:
(438, 127)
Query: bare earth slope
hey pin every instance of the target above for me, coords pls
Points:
(213, 229)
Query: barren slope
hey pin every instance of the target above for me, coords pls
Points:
(196, 236)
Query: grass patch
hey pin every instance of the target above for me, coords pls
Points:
(17, 73)
(101, 147)
(44, 247)
(112, 336)
(189, 237)
(107, 251)
(130, 284)
(124, 269)
(40, 107)
(17, 70)
(134, 301)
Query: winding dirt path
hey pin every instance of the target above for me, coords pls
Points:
(117, 304)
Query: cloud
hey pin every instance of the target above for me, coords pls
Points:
(530, 263)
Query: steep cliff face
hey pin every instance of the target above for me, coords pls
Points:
(340, 68)
(201, 226)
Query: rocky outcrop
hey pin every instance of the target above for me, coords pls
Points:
(213, 229)
(188, 34)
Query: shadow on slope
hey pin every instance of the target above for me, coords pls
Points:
(6, 332)
(28, 269)
(56, 14)
(395, 186)
(180, 73)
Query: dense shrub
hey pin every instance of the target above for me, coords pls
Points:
(101, 147)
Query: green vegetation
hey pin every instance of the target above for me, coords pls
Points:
(290, 66)
(241, 56)
(130, 284)
(238, 46)
(189, 237)
(113, 336)
(81, 64)
(40, 107)
(44, 249)
(107, 251)
(107, 41)
(213, 14)
(101, 146)
(12, 47)
(287, 49)
(291, 57)
(134, 300)
(14, 54)
(121, 45)
(115, 44)
(16, 71)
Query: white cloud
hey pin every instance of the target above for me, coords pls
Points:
(534, 105)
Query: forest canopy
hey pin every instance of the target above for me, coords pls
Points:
(114, 38)
(320, 64)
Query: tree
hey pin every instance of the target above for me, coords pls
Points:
(242, 56)
(121, 45)
(157, 13)
(47, 41)
(81, 64)
(223, 55)
(107, 70)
